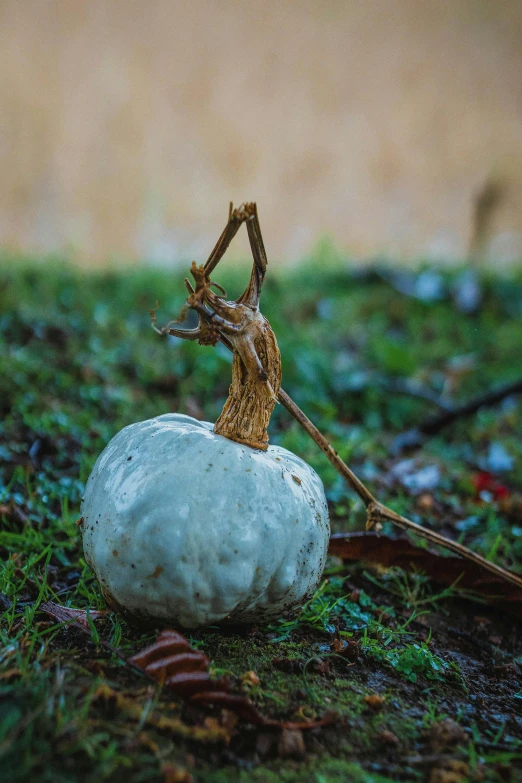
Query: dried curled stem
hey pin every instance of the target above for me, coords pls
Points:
(256, 367)
(256, 377)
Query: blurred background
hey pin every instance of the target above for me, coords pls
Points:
(392, 127)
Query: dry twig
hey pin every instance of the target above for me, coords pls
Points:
(435, 423)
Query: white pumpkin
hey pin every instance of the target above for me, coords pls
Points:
(189, 527)
(193, 523)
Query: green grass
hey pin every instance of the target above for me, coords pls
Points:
(79, 361)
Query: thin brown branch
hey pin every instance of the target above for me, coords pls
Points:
(435, 423)
(413, 389)
(414, 438)
(318, 438)
(377, 512)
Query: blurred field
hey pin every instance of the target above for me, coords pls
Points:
(128, 126)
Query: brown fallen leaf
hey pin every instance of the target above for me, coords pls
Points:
(66, 614)
(171, 661)
(386, 551)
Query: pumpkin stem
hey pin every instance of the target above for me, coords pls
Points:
(256, 379)
(256, 366)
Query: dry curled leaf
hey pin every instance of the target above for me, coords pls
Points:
(171, 661)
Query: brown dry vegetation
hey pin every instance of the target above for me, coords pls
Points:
(127, 126)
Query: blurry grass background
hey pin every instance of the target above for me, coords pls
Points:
(127, 126)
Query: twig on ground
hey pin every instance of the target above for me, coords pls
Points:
(413, 389)
(414, 438)
(434, 424)
(377, 512)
